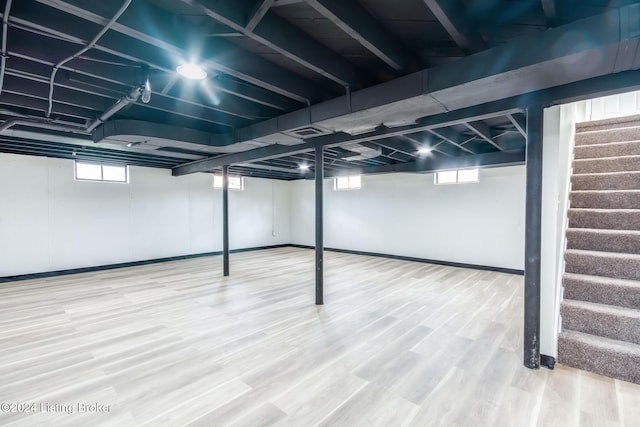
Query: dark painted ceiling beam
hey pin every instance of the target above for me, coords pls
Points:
(68, 93)
(245, 101)
(519, 122)
(432, 164)
(278, 3)
(448, 13)
(41, 105)
(358, 23)
(550, 9)
(452, 137)
(255, 16)
(27, 45)
(496, 108)
(428, 141)
(284, 38)
(398, 144)
(484, 132)
(143, 26)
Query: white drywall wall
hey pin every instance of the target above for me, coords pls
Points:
(49, 221)
(407, 214)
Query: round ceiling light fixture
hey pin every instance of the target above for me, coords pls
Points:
(424, 150)
(191, 71)
(304, 167)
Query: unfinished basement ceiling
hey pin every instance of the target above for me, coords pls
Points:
(286, 72)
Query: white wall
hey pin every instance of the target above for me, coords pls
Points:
(408, 215)
(606, 107)
(49, 221)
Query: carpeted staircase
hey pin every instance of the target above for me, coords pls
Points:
(601, 306)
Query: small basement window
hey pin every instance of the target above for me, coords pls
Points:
(235, 182)
(353, 182)
(459, 176)
(101, 172)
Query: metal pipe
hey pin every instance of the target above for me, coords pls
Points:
(225, 220)
(129, 98)
(319, 226)
(90, 45)
(533, 236)
(5, 30)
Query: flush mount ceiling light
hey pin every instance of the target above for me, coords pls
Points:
(424, 150)
(304, 167)
(191, 71)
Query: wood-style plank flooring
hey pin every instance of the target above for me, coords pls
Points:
(396, 344)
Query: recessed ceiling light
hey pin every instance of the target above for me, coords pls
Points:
(424, 150)
(191, 71)
(304, 167)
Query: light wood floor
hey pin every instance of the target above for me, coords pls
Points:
(395, 344)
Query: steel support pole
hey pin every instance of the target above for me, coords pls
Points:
(533, 235)
(319, 226)
(225, 220)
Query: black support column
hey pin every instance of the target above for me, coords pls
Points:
(225, 220)
(319, 226)
(533, 235)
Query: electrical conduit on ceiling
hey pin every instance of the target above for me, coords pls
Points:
(132, 96)
(91, 44)
(5, 30)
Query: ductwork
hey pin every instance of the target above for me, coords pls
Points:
(365, 152)
(597, 46)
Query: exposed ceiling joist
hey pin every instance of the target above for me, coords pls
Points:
(447, 12)
(483, 131)
(519, 122)
(480, 112)
(550, 12)
(358, 23)
(428, 142)
(284, 38)
(144, 25)
(432, 164)
(255, 16)
(452, 137)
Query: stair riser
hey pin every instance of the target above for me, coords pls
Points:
(606, 124)
(623, 181)
(606, 200)
(607, 150)
(608, 136)
(603, 293)
(603, 241)
(609, 265)
(602, 324)
(609, 164)
(591, 358)
(609, 220)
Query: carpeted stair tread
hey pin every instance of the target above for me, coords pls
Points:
(604, 290)
(607, 164)
(606, 181)
(611, 123)
(610, 219)
(614, 149)
(608, 136)
(604, 356)
(591, 239)
(605, 199)
(605, 264)
(603, 320)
